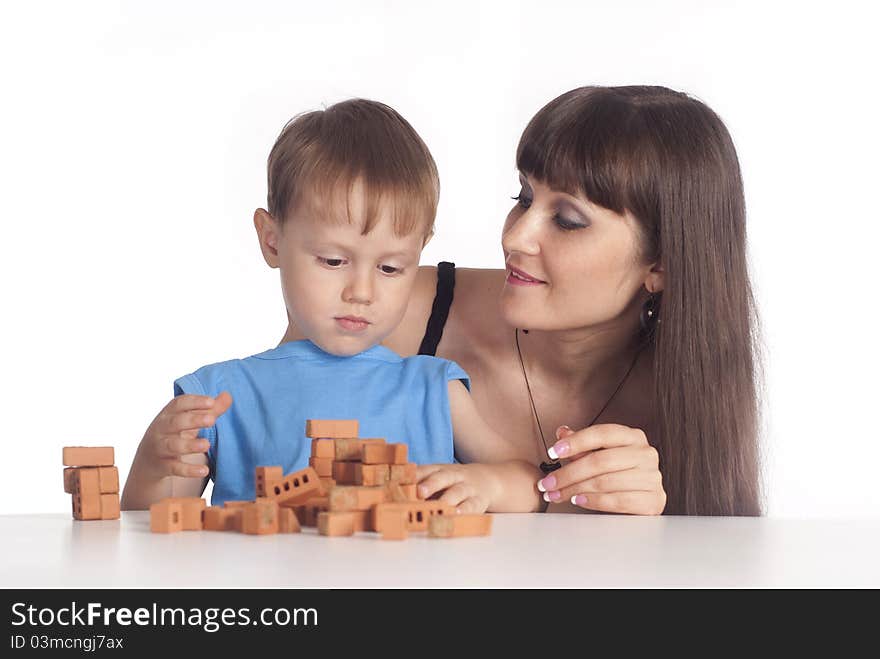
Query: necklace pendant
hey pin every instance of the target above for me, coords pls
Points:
(548, 467)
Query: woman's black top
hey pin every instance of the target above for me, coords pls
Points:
(440, 310)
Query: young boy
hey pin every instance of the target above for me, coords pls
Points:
(352, 197)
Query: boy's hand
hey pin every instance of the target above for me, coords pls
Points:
(173, 434)
(469, 487)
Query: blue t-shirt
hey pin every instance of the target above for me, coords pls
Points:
(403, 400)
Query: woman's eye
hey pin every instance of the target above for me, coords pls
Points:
(567, 225)
(522, 200)
(333, 263)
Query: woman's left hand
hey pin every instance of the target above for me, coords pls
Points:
(610, 468)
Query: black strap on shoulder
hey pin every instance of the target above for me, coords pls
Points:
(440, 310)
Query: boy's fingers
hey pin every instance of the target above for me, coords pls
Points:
(191, 421)
(175, 445)
(455, 494)
(423, 471)
(187, 402)
(439, 480)
(222, 403)
(184, 470)
(471, 505)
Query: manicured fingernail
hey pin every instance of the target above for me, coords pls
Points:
(563, 430)
(546, 497)
(554, 496)
(579, 499)
(559, 449)
(547, 483)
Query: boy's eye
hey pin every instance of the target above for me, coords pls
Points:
(389, 269)
(522, 199)
(333, 263)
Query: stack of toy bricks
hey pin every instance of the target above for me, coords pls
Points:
(374, 489)
(351, 485)
(92, 481)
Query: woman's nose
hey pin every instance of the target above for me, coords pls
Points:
(521, 233)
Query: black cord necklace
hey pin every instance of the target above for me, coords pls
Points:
(546, 466)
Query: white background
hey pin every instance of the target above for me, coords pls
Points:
(133, 141)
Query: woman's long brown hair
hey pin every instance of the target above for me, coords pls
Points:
(669, 160)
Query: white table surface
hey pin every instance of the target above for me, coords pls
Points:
(534, 550)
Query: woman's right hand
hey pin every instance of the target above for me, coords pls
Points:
(173, 435)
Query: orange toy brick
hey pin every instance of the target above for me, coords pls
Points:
(342, 498)
(399, 493)
(265, 478)
(87, 456)
(295, 487)
(394, 525)
(69, 476)
(417, 513)
(108, 480)
(287, 521)
(370, 474)
(307, 513)
(351, 449)
(323, 466)
(332, 428)
(110, 506)
(218, 518)
(403, 474)
(324, 448)
(344, 473)
(388, 454)
(260, 517)
(166, 517)
(192, 509)
(342, 523)
(459, 526)
(326, 485)
(86, 496)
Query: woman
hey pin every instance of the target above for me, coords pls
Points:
(623, 323)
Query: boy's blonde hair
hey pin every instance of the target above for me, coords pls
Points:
(320, 156)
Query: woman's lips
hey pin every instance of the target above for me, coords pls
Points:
(517, 277)
(352, 324)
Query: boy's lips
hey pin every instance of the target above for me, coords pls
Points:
(352, 323)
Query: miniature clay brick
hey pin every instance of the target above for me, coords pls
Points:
(307, 513)
(296, 487)
(459, 526)
(323, 466)
(372, 474)
(110, 506)
(336, 523)
(324, 448)
(418, 513)
(331, 428)
(69, 476)
(326, 485)
(287, 521)
(260, 517)
(348, 449)
(346, 498)
(384, 454)
(344, 473)
(86, 494)
(265, 477)
(108, 480)
(218, 518)
(166, 517)
(399, 493)
(394, 525)
(235, 504)
(87, 456)
(403, 474)
(191, 508)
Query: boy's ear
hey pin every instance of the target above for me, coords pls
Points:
(268, 232)
(428, 238)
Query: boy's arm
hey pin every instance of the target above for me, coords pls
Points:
(511, 486)
(141, 490)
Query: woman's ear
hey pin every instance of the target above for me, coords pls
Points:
(655, 279)
(268, 233)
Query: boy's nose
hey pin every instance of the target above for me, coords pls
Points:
(359, 290)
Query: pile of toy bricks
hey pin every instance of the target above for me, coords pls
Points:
(351, 485)
(92, 481)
